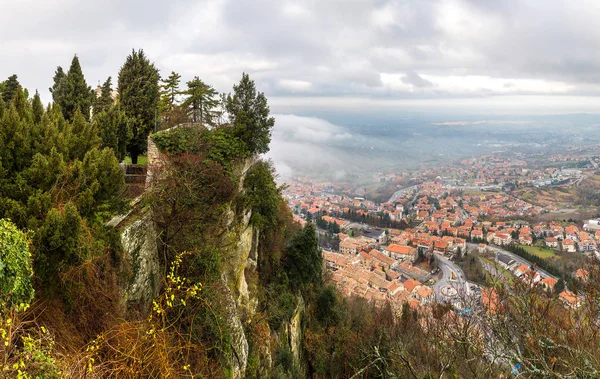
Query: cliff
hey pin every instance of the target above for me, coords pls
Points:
(238, 283)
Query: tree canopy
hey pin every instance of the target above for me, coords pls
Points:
(169, 89)
(138, 96)
(250, 115)
(103, 102)
(10, 88)
(72, 92)
(199, 101)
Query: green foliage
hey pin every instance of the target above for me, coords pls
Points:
(57, 88)
(304, 259)
(72, 92)
(10, 88)
(37, 108)
(249, 114)
(261, 195)
(15, 266)
(188, 198)
(55, 182)
(541, 262)
(224, 147)
(284, 365)
(105, 101)
(180, 140)
(169, 89)
(95, 184)
(199, 101)
(472, 268)
(115, 130)
(84, 136)
(36, 360)
(281, 303)
(138, 96)
(57, 242)
(326, 306)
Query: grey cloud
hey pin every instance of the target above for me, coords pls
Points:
(341, 47)
(416, 80)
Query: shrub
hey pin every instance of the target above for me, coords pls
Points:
(15, 266)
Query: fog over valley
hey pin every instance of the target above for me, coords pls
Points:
(314, 147)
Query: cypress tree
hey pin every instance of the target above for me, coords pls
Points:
(10, 88)
(37, 108)
(115, 130)
(2, 107)
(84, 136)
(77, 94)
(105, 100)
(57, 88)
(249, 114)
(304, 259)
(138, 96)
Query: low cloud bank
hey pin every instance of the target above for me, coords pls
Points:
(308, 146)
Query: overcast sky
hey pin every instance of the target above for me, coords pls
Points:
(474, 56)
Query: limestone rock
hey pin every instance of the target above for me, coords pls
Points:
(141, 255)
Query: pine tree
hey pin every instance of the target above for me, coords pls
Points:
(169, 89)
(76, 94)
(105, 101)
(138, 96)
(10, 88)
(37, 108)
(200, 100)
(249, 114)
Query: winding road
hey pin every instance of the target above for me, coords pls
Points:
(517, 258)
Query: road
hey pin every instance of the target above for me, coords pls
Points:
(400, 192)
(517, 258)
(459, 283)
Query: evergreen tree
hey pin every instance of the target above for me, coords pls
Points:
(200, 100)
(10, 88)
(57, 88)
(103, 102)
(304, 259)
(37, 108)
(169, 89)
(84, 136)
(115, 130)
(138, 97)
(76, 94)
(249, 114)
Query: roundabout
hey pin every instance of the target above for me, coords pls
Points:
(449, 291)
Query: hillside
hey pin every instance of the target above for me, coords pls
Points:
(207, 274)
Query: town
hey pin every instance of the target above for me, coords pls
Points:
(412, 248)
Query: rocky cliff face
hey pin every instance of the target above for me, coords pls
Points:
(239, 279)
(143, 268)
